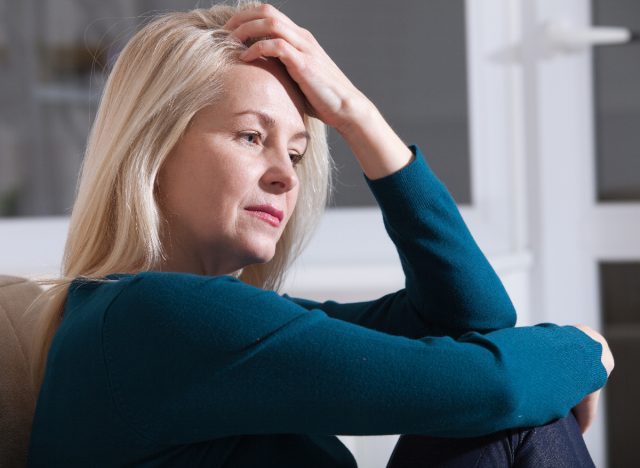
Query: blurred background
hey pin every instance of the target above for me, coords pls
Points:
(529, 111)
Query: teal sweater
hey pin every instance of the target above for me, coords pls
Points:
(173, 369)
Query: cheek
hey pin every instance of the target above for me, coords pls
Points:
(292, 197)
(193, 200)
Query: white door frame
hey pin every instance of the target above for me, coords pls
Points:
(569, 230)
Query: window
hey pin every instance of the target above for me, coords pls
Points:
(58, 51)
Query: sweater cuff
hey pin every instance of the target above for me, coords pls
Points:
(592, 352)
(413, 188)
(412, 166)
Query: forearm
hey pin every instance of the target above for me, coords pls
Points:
(450, 284)
(377, 147)
(252, 362)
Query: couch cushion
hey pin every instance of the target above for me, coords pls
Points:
(17, 396)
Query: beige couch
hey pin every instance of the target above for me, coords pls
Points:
(17, 396)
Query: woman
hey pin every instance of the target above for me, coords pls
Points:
(206, 169)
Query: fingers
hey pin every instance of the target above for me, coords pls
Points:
(278, 48)
(585, 412)
(270, 27)
(267, 21)
(281, 37)
(607, 357)
(262, 11)
(325, 87)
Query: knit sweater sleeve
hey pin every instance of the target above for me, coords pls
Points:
(191, 358)
(450, 286)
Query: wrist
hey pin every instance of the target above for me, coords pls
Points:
(378, 149)
(359, 114)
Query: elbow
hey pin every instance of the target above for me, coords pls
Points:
(500, 312)
(504, 314)
(509, 317)
(496, 319)
(491, 315)
(504, 317)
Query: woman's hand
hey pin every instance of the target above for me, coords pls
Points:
(332, 97)
(586, 410)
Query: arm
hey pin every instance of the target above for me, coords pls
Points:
(193, 358)
(380, 152)
(450, 285)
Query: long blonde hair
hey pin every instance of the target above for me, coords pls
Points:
(168, 71)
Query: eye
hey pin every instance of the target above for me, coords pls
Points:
(252, 138)
(296, 158)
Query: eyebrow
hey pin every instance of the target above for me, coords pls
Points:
(269, 122)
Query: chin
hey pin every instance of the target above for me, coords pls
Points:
(265, 258)
(262, 254)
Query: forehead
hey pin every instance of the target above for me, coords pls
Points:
(262, 85)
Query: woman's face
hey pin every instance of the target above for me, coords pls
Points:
(229, 186)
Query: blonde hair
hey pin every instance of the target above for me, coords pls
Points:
(167, 72)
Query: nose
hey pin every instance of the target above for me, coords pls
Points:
(280, 175)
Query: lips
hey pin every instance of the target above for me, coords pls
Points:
(267, 213)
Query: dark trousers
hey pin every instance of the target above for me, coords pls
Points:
(556, 445)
